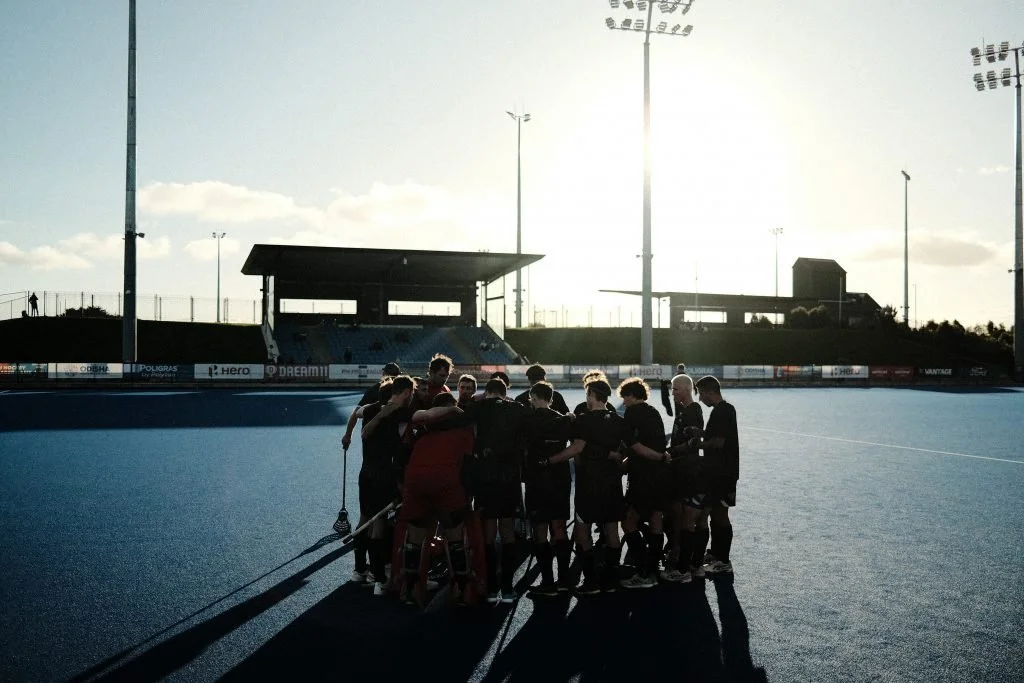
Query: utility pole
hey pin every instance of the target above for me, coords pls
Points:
(519, 119)
(218, 237)
(776, 232)
(129, 346)
(906, 250)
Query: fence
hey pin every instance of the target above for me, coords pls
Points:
(175, 308)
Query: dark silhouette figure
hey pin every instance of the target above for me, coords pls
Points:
(34, 303)
(348, 355)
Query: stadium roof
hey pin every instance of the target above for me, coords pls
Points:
(396, 266)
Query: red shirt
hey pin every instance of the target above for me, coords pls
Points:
(441, 450)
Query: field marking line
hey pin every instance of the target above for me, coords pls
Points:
(886, 445)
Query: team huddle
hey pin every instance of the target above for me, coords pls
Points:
(466, 467)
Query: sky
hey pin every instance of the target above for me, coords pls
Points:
(371, 124)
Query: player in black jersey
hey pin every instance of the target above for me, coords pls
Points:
(648, 495)
(536, 373)
(596, 438)
(497, 480)
(592, 375)
(690, 524)
(467, 390)
(548, 489)
(372, 395)
(720, 443)
(383, 424)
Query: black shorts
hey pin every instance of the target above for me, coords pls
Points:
(714, 492)
(377, 488)
(498, 499)
(547, 499)
(648, 493)
(599, 499)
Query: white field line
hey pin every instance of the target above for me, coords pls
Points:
(886, 445)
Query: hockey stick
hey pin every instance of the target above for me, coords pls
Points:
(342, 525)
(393, 505)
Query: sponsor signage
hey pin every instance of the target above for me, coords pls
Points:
(645, 371)
(296, 373)
(86, 370)
(698, 371)
(748, 371)
(879, 372)
(845, 371)
(797, 371)
(977, 371)
(228, 371)
(353, 372)
(936, 372)
(902, 373)
(166, 371)
(577, 371)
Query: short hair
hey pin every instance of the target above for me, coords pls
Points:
(684, 380)
(542, 390)
(709, 383)
(468, 378)
(681, 368)
(391, 370)
(502, 376)
(536, 373)
(600, 388)
(496, 386)
(443, 399)
(440, 361)
(635, 387)
(594, 375)
(401, 383)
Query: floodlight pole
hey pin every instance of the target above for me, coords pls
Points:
(519, 212)
(1018, 225)
(218, 237)
(129, 346)
(906, 250)
(776, 232)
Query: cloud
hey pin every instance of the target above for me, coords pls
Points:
(937, 249)
(206, 249)
(992, 170)
(220, 202)
(111, 247)
(41, 258)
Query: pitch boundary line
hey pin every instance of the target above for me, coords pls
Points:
(886, 445)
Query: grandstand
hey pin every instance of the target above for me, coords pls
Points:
(372, 281)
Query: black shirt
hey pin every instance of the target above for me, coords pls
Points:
(500, 431)
(385, 443)
(582, 408)
(690, 416)
(725, 461)
(548, 432)
(372, 395)
(603, 432)
(645, 427)
(557, 401)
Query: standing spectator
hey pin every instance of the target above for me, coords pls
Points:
(34, 303)
(348, 355)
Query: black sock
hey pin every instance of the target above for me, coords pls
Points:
(610, 571)
(491, 556)
(563, 552)
(721, 542)
(360, 556)
(686, 545)
(379, 552)
(587, 562)
(700, 545)
(509, 562)
(457, 555)
(413, 552)
(655, 548)
(637, 550)
(545, 556)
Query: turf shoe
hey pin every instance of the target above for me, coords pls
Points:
(637, 581)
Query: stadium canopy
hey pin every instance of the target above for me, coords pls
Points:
(373, 277)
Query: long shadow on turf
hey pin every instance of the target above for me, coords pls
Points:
(209, 408)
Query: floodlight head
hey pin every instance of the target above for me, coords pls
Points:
(609, 22)
(614, 3)
(638, 24)
(905, 175)
(688, 29)
(628, 4)
(641, 5)
(662, 26)
(626, 24)
(990, 53)
(686, 8)
(976, 56)
(510, 114)
(1004, 49)
(1005, 76)
(526, 117)
(667, 7)
(992, 81)
(979, 82)
(675, 29)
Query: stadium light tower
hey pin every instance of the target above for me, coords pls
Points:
(129, 324)
(519, 119)
(218, 237)
(640, 25)
(992, 80)
(776, 232)
(906, 249)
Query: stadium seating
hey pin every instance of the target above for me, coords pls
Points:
(412, 346)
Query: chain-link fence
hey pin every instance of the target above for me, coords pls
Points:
(147, 306)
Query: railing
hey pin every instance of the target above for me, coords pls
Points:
(175, 308)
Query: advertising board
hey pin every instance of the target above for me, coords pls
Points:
(976, 372)
(354, 372)
(845, 371)
(902, 372)
(159, 371)
(86, 370)
(879, 372)
(228, 371)
(936, 373)
(296, 373)
(648, 372)
(749, 372)
(698, 371)
(797, 372)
